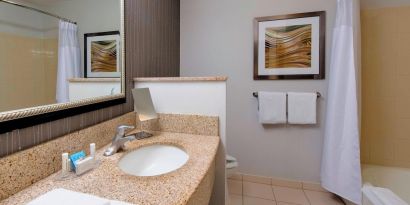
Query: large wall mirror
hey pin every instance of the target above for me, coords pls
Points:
(59, 58)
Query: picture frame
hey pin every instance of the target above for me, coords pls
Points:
(102, 57)
(290, 46)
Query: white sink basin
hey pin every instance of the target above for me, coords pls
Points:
(153, 160)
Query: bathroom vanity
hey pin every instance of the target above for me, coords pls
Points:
(86, 105)
(190, 184)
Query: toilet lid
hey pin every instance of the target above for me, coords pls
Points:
(231, 165)
(230, 158)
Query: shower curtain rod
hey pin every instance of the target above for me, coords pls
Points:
(38, 10)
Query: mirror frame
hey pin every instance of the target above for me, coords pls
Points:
(27, 117)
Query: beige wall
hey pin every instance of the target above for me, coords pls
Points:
(217, 39)
(50, 66)
(386, 85)
(372, 4)
(28, 71)
(28, 58)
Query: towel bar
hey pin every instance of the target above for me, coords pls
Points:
(255, 94)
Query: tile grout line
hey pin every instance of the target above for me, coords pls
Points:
(243, 198)
(283, 179)
(257, 196)
(273, 192)
(285, 201)
(303, 189)
(291, 203)
(304, 193)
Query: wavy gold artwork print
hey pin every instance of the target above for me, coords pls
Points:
(288, 47)
(104, 56)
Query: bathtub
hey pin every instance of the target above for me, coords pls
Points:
(396, 182)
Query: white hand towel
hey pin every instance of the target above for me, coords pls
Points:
(302, 108)
(272, 107)
(67, 197)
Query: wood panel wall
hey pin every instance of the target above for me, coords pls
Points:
(152, 50)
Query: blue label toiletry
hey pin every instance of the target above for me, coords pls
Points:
(75, 157)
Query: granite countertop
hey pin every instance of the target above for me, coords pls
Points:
(108, 181)
(181, 79)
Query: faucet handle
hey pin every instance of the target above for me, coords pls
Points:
(121, 129)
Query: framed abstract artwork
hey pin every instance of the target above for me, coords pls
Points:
(290, 46)
(102, 55)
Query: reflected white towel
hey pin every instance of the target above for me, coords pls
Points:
(272, 107)
(302, 108)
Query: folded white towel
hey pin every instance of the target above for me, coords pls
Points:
(272, 107)
(67, 197)
(302, 108)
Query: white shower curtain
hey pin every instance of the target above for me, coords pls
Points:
(69, 61)
(341, 172)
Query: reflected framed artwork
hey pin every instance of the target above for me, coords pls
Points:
(290, 46)
(101, 59)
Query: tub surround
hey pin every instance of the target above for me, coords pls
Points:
(385, 79)
(191, 184)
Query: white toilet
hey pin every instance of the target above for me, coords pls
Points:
(231, 165)
(231, 168)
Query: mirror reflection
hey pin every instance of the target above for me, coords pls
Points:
(58, 51)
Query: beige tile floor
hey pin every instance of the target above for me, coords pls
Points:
(260, 192)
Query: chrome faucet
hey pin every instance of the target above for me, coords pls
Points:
(119, 140)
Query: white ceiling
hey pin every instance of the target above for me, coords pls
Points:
(366, 4)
